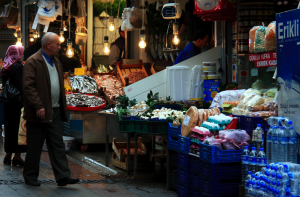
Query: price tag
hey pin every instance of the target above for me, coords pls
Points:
(79, 71)
(186, 120)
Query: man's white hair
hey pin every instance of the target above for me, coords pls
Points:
(48, 37)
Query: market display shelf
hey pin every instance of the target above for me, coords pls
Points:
(213, 154)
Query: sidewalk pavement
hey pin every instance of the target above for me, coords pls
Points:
(92, 183)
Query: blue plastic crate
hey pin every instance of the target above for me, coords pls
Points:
(183, 191)
(250, 123)
(220, 187)
(184, 144)
(231, 170)
(174, 131)
(195, 166)
(213, 154)
(195, 185)
(183, 177)
(175, 106)
(183, 161)
(172, 144)
(173, 179)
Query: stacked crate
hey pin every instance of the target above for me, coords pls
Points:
(215, 172)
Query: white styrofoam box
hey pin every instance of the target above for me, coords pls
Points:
(179, 82)
(158, 81)
(197, 82)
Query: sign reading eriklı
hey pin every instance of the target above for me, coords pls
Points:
(264, 59)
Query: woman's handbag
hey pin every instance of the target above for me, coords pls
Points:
(22, 138)
(10, 93)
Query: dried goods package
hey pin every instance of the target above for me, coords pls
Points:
(271, 37)
(252, 38)
(260, 37)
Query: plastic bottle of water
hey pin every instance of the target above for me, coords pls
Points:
(275, 145)
(258, 137)
(282, 145)
(248, 182)
(273, 121)
(269, 145)
(252, 160)
(261, 160)
(251, 188)
(245, 164)
(294, 187)
(288, 191)
(284, 121)
(292, 145)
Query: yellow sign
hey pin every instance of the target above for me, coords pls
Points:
(79, 71)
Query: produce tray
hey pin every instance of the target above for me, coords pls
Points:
(213, 154)
(126, 125)
(174, 131)
(87, 108)
(250, 123)
(141, 126)
(157, 127)
(174, 106)
(125, 69)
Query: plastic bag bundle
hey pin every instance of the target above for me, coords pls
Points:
(260, 37)
(270, 40)
(234, 139)
(252, 38)
(126, 25)
(214, 142)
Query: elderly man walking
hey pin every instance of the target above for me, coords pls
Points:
(44, 110)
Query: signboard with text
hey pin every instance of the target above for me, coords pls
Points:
(264, 59)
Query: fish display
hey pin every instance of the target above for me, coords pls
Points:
(113, 87)
(85, 84)
(82, 100)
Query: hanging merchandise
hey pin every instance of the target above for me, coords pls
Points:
(270, 40)
(10, 14)
(16, 25)
(136, 18)
(74, 8)
(259, 42)
(47, 9)
(81, 37)
(215, 10)
(126, 25)
(81, 9)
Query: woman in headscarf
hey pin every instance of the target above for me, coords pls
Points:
(12, 70)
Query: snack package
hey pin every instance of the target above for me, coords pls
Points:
(270, 40)
(260, 37)
(229, 95)
(252, 38)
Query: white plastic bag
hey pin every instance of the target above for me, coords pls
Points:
(47, 9)
(126, 25)
(42, 21)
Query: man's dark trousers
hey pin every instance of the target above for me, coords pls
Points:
(52, 132)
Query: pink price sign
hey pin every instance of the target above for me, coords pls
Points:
(264, 59)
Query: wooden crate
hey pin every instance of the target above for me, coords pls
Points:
(156, 69)
(123, 145)
(141, 165)
(125, 69)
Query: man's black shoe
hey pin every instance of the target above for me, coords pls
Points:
(33, 183)
(66, 181)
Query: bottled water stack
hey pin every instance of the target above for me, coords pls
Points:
(285, 183)
(261, 160)
(274, 154)
(292, 145)
(269, 145)
(245, 164)
(282, 154)
(252, 160)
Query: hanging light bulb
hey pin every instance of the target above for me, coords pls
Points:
(176, 39)
(70, 51)
(31, 39)
(19, 38)
(61, 37)
(65, 27)
(19, 43)
(106, 50)
(142, 43)
(111, 23)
